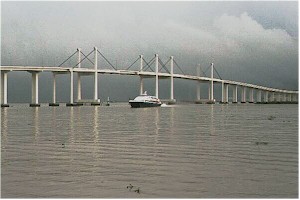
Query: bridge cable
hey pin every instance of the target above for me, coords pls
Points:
(203, 72)
(147, 63)
(83, 58)
(149, 66)
(178, 66)
(217, 73)
(167, 62)
(106, 59)
(163, 65)
(133, 63)
(86, 57)
(206, 70)
(67, 59)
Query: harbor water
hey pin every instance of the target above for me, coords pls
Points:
(188, 150)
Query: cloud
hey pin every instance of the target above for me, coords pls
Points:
(241, 45)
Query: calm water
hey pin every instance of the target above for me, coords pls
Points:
(177, 151)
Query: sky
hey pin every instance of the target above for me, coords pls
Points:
(253, 42)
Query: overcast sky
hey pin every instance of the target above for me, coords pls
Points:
(254, 42)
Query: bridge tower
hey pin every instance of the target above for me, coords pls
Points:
(172, 100)
(96, 101)
(78, 76)
(156, 75)
(211, 93)
(141, 77)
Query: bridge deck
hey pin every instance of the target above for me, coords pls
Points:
(89, 71)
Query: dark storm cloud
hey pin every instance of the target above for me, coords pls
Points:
(255, 42)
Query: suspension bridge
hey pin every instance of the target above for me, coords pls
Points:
(263, 94)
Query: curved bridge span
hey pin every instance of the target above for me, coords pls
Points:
(269, 94)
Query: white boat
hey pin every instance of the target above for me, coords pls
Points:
(145, 100)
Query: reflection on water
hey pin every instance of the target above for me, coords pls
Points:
(4, 124)
(199, 151)
(36, 125)
(96, 126)
(71, 125)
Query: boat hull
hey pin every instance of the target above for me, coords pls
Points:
(144, 104)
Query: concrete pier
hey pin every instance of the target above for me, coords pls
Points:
(54, 92)
(4, 89)
(224, 93)
(243, 97)
(258, 96)
(266, 97)
(235, 94)
(251, 96)
(35, 90)
(71, 103)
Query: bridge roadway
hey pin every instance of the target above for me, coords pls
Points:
(89, 71)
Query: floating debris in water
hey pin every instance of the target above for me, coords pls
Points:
(63, 145)
(259, 143)
(129, 186)
(271, 117)
(136, 189)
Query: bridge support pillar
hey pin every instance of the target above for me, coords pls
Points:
(172, 100)
(278, 97)
(156, 75)
(54, 92)
(273, 97)
(198, 92)
(284, 97)
(289, 97)
(295, 97)
(266, 97)
(251, 98)
(4, 89)
(71, 89)
(34, 90)
(209, 91)
(141, 77)
(258, 96)
(243, 95)
(234, 94)
(224, 93)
